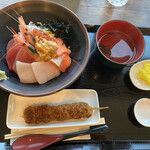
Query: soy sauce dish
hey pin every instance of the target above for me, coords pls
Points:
(142, 111)
(140, 75)
(119, 43)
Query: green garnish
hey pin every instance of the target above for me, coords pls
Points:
(2, 75)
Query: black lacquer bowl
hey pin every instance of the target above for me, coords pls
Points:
(42, 11)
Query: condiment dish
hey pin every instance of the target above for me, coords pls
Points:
(142, 111)
(133, 75)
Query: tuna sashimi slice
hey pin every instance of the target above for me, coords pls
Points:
(10, 44)
(12, 51)
(44, 71)
(25, 72)
(23, 56)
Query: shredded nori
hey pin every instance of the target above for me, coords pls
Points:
(59, 28)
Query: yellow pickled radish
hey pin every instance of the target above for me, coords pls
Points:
(144, 74)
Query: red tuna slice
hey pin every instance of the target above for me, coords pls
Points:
(10, 44)
(62, 47)
(23, 56)
(12, 50)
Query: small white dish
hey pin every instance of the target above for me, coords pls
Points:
(142, 111)
(133, 75)
(17, 104)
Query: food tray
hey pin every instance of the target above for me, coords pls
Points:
(114, 89)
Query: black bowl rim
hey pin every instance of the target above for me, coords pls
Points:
(80, 70)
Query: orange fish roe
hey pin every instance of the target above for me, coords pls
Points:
(46, 35)
(42, 34)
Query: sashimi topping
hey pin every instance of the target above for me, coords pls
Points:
(25, 72)
(37, 52)
(62, 62)
(46, 49)
(25, 31)
(24, 56)
(12, 51)
(10, 44)
(66, 62)
(50, 37)
(44, 71)
(62, 47)
(40, 72)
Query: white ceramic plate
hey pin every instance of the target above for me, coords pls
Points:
(142, 111)
(17, 104)
(133, 73)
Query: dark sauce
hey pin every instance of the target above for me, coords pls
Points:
(117, 46)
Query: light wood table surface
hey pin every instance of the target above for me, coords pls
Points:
(99, 11)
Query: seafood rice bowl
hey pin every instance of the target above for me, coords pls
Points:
(44, 48)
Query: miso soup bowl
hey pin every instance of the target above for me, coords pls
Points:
(134, 41)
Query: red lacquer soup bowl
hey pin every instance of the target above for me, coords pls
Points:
(119, 43)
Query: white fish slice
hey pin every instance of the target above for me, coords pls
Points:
(25, 72)
(44, 71)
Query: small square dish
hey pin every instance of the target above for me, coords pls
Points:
(17, 104)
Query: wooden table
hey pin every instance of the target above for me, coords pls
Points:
(99, 11)
(124, 134)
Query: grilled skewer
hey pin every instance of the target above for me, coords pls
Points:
(46, 113)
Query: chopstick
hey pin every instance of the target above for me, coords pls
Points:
(21, 133)
(37, 131)
(41, 131)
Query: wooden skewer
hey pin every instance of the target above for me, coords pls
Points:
(101, 108)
